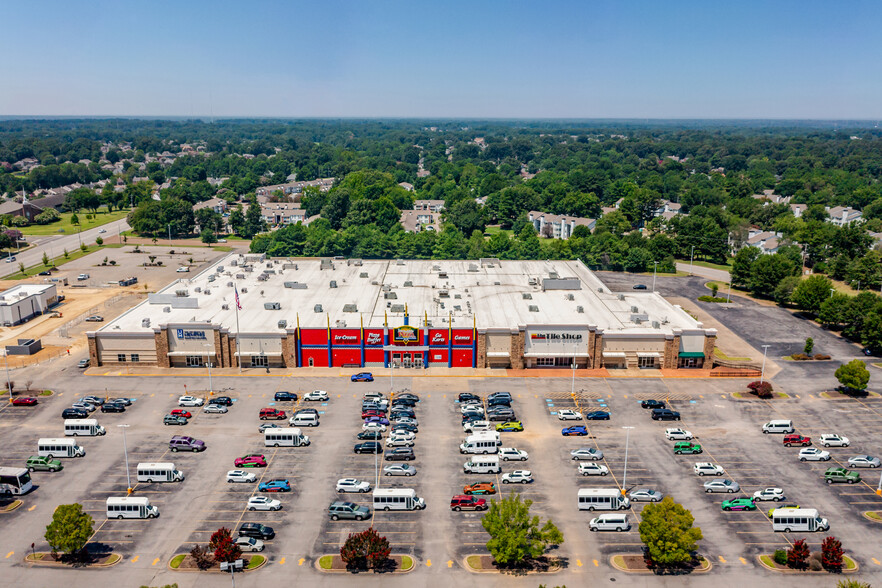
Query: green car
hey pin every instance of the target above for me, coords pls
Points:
(510, 426)
(43, 464)
(174, 419)
(686, 447)
(739, 504)
(841, 475)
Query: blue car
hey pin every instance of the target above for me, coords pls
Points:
(363, 377)
(597, 415)
(578, 430)
(377, 419)
(275, 486)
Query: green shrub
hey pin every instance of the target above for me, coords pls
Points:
(780, 557)
(707, 298)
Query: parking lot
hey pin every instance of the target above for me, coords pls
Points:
(728, 429)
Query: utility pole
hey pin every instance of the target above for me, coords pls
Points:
(625, 474)
(691, 259)
(763, 371)
(126, 450)
(654, 271)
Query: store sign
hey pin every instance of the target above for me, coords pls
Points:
(438, 338)
(406, 335)
(548, 336)
(374, 339)
(462, 338)
(190, 335)
(345, 338)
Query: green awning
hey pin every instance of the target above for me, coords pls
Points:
(692, 354)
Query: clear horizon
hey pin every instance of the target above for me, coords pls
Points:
(808, 61)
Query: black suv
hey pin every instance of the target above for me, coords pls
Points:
(405, 402)
(408, 396)
(399, 454)
(256, 530)
(283, 396)
(665, 414)
(504, 415)
(495, 395)
(652, 404)
(368, 447)
(499, 401)
(74, 413)
(370, 435)
(113, 407)
(399, 411)
(222, 400)
(466, 396)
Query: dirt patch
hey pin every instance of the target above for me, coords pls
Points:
(636, 563)
(90, 560)
(188, 564)
(394, 565)
(539, 565)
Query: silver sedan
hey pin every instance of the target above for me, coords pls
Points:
(402, 469)
(645, 494)
(586, 453)
(864, 461)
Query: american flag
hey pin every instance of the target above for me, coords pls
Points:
(236, 292)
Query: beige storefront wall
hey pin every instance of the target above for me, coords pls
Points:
(110, 348)
(633, 348)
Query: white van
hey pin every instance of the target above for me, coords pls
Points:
(610, 522)
(59, 448)
(397, 499)
(779, 426)
(159, 472)
(130, 507)
(482, 464)
(304, 420)
(87, 427)
(485, 442)
(284, 438)
(798, 520)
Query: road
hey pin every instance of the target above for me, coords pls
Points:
(705, 272)
(54, 245)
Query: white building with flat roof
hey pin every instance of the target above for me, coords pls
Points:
(21, 303)
(336, 312)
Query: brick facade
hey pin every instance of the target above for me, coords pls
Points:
(289, 350)
(93, 351)
(160, 338)
(597, 351)
(710, 342)
(481, 360)
(672, 352)
(517, 350)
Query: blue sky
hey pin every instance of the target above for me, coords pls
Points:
(450, 58)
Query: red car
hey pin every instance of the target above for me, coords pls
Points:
(250, 461)
(24, 401)
(272, 413)
(372, 413)
(181, 412)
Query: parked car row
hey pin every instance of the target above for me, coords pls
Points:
(83, 407)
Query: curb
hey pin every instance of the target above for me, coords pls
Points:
(702, 570)
(28, 559)
(14, 505)
(213, 571)
(316, 565)
(869, 518)
(789, 571)
(470, 569)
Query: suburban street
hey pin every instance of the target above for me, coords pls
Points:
(54, 245)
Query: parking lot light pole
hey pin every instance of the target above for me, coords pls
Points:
(126, 451)
(691, 259)
(625, 474)
(654, 271)
(763, 371)
(208, 363)
(573, 386)
(8, 382)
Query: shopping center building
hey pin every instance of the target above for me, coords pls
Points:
(418, 314)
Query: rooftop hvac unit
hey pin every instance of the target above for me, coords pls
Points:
(473, 267)
(457, 307)
(340, 324)
(234, 262)
(526, 296)
(220, 268)
(363, 275)
(333, 284)
(386, 287)
(408, 284)
(533, 282)
(240, 276)
(282, 324)
(295, 285)
(621, 296)
(570, 297)
(230, 284)
(553, 275)
(580, 309)
(397, 308)
(272, 305)
(207, 291)
(457, 296)
(225, 307)
(198, 289)
(166, 309)
(145, 322)
(497, 283)
(244, 290)
(181, 293)
(374, 283)
(399, 262)
(317, 308)
(390, 295)
(634, 309)
(350, 308)
(444, 294)
(656, 325)
(442, 275)
(211, 278)
(533, 308)
(436, 268)
(600, 290)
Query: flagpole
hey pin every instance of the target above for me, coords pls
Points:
(238, 349)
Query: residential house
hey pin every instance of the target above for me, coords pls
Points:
(766, 241)
(430, 205)
(668, 209)
(558, 226)
(798, 209)
(293, 188)
(219, 205)
(769, 197)
(415, 221)
(842, 215)
(282, 213)
(32, 208)
(406, 186)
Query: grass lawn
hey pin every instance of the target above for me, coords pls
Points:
(719, 353)
(325, 562)
(255, 561)
(60, 260)
(725, 267)
(64, 226)
(474, 562)
(176, 561)
(874, 515)
(406, 562)
(493, 230)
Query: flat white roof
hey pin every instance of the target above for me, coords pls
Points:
(21, 291)
(493, 295)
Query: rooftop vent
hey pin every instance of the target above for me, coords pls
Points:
(408, 284)
(181, 293)
(225, 307)
(166, 309)
(350, 308)
(580, 309)
(533, 308)
(390, 295)
(363, 275)
(397, 308)
(600, 290)
(333, 284)
(317, 308)
(621, 296)
(272, 305)
(207, 291)
(526, 296)
(244, 290)
(570, 297)
(145, 322)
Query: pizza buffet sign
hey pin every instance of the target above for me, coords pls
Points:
(406, 334)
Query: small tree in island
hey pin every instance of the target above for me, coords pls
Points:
(669, 535)
(70, 530)
(365, 550)
(515, 536)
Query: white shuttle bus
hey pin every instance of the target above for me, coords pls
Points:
(602, 499)
(59, 448)
(798, 520)
(159, 472)
(284, 438)
(482, 464)
(397, 499)
(486, 442)
(130, 507)
(86, 427)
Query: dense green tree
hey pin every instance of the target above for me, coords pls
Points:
(768, 271)
(742, 264)
(853, 375)
(811, 293)
(70, 529)
(466, 215)
(667, 531)
(515, 536)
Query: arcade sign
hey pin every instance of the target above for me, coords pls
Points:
(406, 334)
(185, 335)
